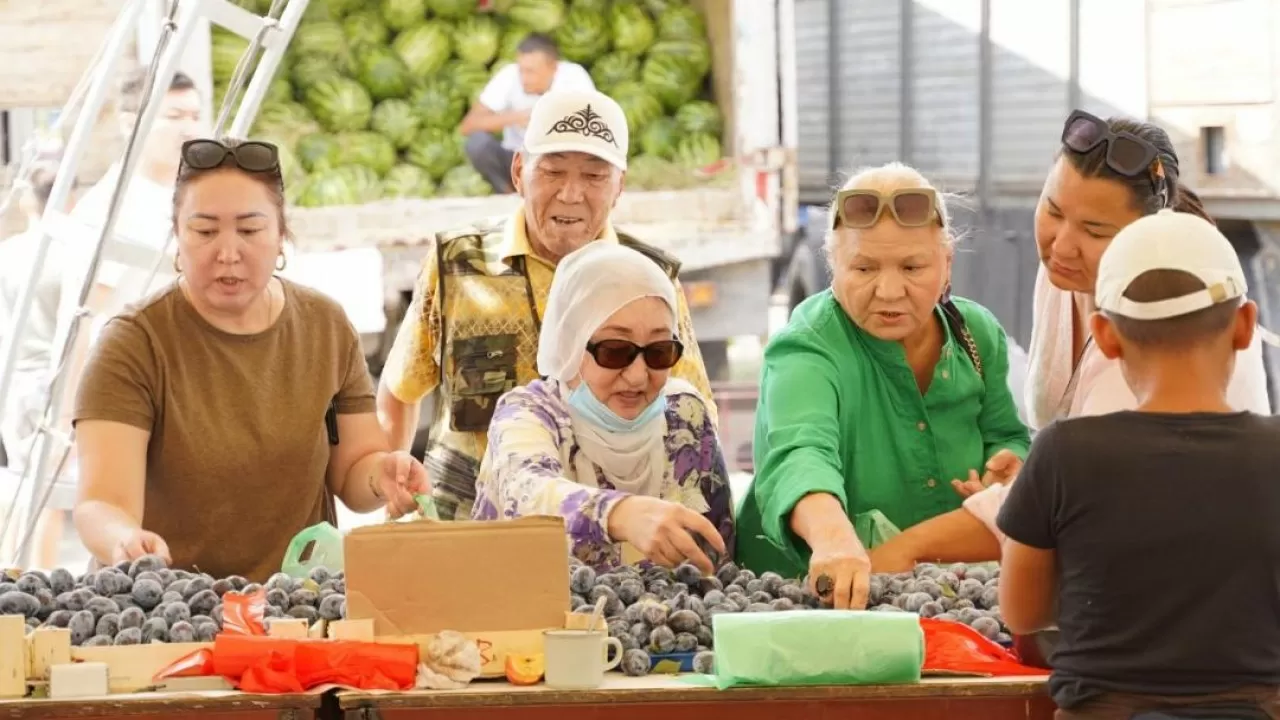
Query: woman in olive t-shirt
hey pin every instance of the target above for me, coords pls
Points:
(881, 394)
(201, 419)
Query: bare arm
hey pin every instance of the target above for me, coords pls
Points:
(821, 521)
(481, 119)
(399, 419)
(957, 536)
(113, 471)
(1028, 587)
(356, 465)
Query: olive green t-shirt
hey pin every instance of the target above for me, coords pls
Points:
(238, 450)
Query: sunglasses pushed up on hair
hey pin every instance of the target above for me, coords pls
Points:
(252, 156)
(1127, 154)
(619, 354)
(910, 207)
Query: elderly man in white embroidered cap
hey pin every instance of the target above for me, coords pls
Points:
(472, 329)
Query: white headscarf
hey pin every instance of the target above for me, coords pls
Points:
(590, 285)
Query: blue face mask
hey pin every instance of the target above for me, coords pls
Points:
(591, 409)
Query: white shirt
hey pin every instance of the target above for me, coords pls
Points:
(17, 258)
(505, 93)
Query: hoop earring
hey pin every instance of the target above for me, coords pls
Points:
(281, 262)
(176, 267)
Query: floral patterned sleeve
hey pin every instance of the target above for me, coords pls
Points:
(698, 466)
(523, 474)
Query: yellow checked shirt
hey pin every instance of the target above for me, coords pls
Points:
(491, 277)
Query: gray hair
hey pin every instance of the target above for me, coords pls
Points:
(529, 161)
(886, 178)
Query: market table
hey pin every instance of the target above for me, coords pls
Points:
(670, 698)
(220, 705)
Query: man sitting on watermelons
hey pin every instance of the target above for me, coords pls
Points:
(505, 103)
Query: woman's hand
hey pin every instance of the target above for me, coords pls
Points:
(137, 543)
(840, 571)
(895, 555)
(664, 531)
(401, 477)
(1002, 468)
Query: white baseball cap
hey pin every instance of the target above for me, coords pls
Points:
(1169, 240)
(585, 121)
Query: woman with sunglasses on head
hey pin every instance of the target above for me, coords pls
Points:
(220, 416)
(1108, 174)
(607, 439)
(878, 394)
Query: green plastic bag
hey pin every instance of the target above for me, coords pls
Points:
(817, 647)
(873, 528)
(317, 546)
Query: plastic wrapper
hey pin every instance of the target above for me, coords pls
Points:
(831, 647)
(196, 664)
(277, 665)
(451, 662)
(873, 528)
(952, 647)
(244, 614)
(317, 546)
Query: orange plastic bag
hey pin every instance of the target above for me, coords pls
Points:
(244, 614)
(954, 647)
(276, 665)
(196, 664)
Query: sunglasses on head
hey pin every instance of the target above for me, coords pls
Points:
(910, 207)
(619, 354)
(252, 156)
(1127, 154)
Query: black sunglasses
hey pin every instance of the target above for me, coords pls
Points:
(252, 156)
(1127, 154)
(619, 354)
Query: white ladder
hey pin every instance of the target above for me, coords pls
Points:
(270, 35)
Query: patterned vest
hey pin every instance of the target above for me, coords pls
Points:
(488, 344)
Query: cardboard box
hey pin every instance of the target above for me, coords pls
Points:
(501, 583)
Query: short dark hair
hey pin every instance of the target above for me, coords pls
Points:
(539, 43)
(272, 180)
(1176, 333)
(1143, 195)
(135, 83)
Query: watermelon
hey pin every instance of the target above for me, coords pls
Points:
(700, 116)
(659, 138)
(466, 80)
(365, 27)
(227, 49)
(512, 35)
(382, 73)
(397, 120)
(476, 39)
(697, 150)
(657, 7)
(403, 14)
(595, 6)
(366, 148)
(583, 36)
(614, 69)
(538, 15)
(697, 53)
(325, 39)
(407, 181)
(325, 189)
(318, 151)
(681, 22)
(464, 181)
(633, 31)
(424, 48)
(638, 104)
(670, 79)
(286, 119)
(363, 181)
(437, 151)
(324, 10)
(309, 71)
(452, 9)
(340, 104)
(438, 105)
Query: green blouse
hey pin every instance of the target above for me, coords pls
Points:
(840, 412)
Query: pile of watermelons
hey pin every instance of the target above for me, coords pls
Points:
(367, 103)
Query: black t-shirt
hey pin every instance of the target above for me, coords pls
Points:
(1166, 530)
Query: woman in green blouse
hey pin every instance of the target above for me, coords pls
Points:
(883, 393)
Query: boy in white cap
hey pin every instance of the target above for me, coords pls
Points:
(472, 328)
(1152, 537)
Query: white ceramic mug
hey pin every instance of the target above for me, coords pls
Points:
(578, 659)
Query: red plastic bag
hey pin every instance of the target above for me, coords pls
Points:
(196, 664)
(278, 665)
(954, 647)
(244, 614)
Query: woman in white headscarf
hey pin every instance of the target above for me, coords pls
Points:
(607, 439)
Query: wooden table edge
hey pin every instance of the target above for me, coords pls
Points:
(149, 703)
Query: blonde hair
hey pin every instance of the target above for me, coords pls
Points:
(887, 178)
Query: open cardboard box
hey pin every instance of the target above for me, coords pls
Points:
(499, 583)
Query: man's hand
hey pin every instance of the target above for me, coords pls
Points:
(1002, 468)
(401, 478)
(664, 531)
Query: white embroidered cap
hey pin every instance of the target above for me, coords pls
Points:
(585, 121)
